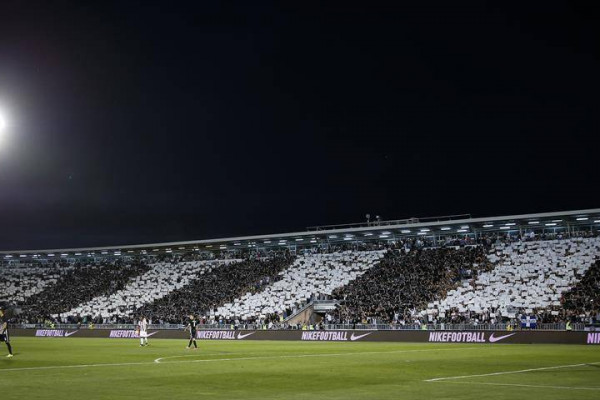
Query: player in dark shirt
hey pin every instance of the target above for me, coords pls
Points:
(4, 336)
(191, 326)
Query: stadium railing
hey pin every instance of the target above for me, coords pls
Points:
(560, 326)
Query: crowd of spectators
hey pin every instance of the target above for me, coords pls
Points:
(222, 285)
(404, 282)
(582, 302)
(81, 283)
(414, 272)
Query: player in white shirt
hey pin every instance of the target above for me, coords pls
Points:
(143, 331)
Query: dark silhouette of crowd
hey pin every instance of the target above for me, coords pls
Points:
(222, 285)
(405, 281)
(582, 302)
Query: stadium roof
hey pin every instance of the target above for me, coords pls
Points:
(378, 230)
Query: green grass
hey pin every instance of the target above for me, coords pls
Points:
(72, 368)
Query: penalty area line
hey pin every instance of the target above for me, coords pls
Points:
(448, 378)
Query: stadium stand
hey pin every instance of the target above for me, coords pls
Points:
(404, 282)
(222, 285)
(19, 281)
(529, 277)
(161, 279)
(309, 276)
(494, 279)
(583, 300)
(79, 284)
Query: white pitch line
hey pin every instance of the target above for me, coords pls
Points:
(74, 366)
(527, 386)
(308, 355)
(158, 360)
(509, 372)
(227, 359)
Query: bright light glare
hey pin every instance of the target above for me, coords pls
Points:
(2, 130)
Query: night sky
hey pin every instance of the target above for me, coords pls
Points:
(136, 122)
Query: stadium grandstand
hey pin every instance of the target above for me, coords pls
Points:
(537, 271)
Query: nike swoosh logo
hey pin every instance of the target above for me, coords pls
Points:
(67, 334)
(494, 339)
(241, 336)
(359, 336)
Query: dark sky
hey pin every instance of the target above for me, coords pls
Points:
(132, 123)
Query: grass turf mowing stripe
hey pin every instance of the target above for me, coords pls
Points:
(157, 361)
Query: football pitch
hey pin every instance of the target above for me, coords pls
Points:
(120, 369)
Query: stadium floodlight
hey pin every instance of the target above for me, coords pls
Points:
(551, 224)
(405, 231)
(313, 241)
(582, 219)
(425, 230)
(533, 222)
(461, 230)
(421, 233)
(267, 242)
(557, 220)
(597, 221)
(510, 224)
(2, 127)
(368, 234)
(446, 228)
(464, 227)
(22, 255)
(505, 227)
(384, 236)
(488, 225)
(299, 240)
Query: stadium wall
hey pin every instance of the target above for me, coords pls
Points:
(476, 337)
